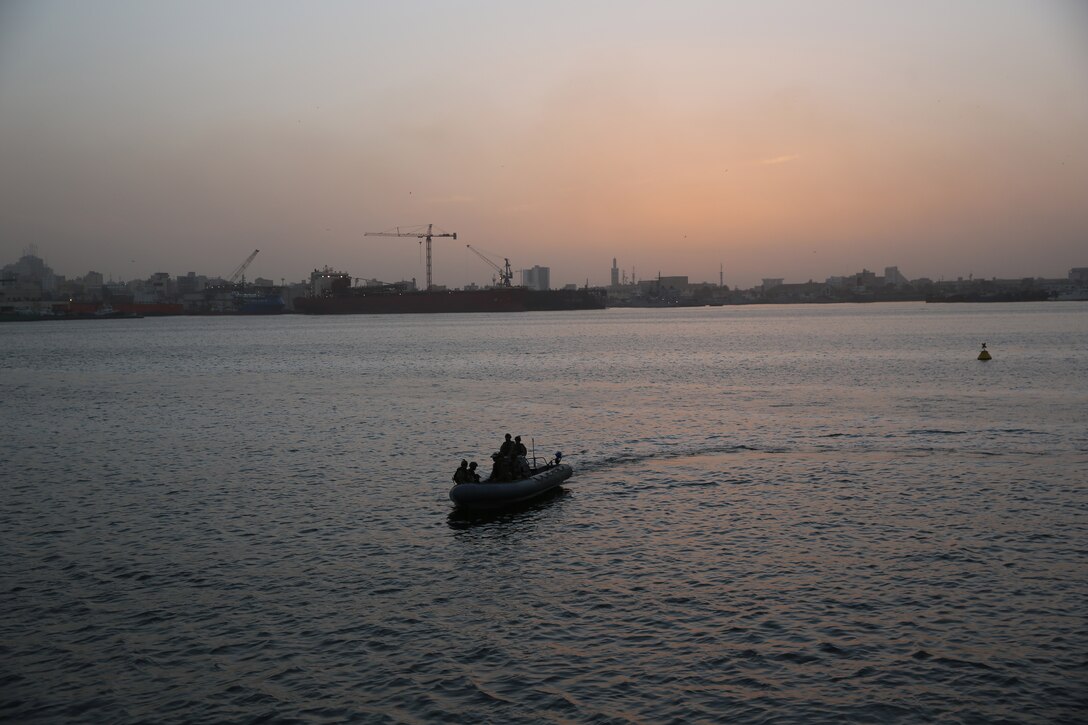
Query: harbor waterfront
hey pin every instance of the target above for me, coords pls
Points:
(800, 513)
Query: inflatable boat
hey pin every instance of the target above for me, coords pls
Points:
(493, 494)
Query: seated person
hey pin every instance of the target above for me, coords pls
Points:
(495, 458)
(461, 475)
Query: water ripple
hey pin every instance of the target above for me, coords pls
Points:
(239, 520)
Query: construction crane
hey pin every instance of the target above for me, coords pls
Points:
(420, 235)
(241, 268)
(504, 273)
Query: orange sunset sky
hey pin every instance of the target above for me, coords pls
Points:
(791, 139)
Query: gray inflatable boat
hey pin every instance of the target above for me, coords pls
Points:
(493, 494)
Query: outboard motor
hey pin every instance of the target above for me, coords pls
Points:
(558, 457)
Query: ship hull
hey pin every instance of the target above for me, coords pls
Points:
(566, 299)
(260, 305)
(359, 301)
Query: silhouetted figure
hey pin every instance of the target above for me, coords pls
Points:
(507, 448)
(520, 468)
(501, 471)
(519, 447)
(473, 477)
(461, 475)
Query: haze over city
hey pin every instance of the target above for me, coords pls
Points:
(785, 139)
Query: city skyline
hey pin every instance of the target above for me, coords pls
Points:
(537, 277)
(785, 140)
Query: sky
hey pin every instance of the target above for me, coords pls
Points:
(783, 138)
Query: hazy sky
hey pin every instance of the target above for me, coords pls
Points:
(792, 139)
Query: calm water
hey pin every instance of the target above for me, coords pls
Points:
(778, 514)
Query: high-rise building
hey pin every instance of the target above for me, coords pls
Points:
(160, 285)
(31, 269)
(615, 274)
(537, 278)
(893, 277)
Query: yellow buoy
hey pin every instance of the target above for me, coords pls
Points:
(985, 354)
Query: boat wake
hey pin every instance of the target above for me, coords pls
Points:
(628, 458)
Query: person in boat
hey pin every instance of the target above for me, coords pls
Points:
(507, 448)
(473, 477)
(500, 471)
(518, 462)
(503, 461)
(461, 475)
(506, 472)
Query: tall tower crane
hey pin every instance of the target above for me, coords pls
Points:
(504, 273)
(420, 235)
(241, 268)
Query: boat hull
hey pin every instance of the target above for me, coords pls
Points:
(363, 302)
(260, 304)
(494, 495)
(360, 301)
(566, 299)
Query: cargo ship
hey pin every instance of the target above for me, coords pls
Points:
(332, 293)
(259, 303)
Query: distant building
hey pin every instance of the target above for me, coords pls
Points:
(615, 274)
(663, 288)
(866, 280)
(161, 286)
(804, 292)
(1078, 275)
(769, 283)
(32, 270)
(894, 278)
(16, 293)
(191, 283)
(676, 282)
(536, 278)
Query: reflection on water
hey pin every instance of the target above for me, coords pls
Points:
(807, 514)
